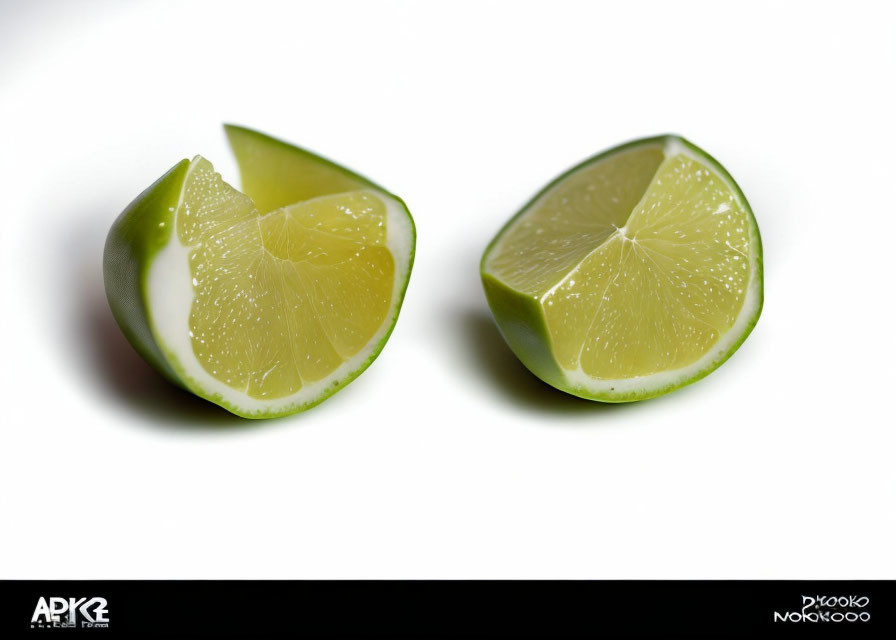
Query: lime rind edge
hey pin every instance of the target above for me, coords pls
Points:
(136, 236)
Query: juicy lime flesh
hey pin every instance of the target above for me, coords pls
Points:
(640, 262)
(282, 299)
(572, 220)
(276, 175)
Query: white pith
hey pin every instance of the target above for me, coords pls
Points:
(170, 298)
(577, 379)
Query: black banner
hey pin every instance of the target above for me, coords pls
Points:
(447, 609)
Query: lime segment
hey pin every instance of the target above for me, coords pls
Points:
(264, 302)
(642, 271)
(275, 174)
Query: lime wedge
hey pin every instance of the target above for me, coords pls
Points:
(633, 274)
(264, 302)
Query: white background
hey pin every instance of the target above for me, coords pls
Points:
(446, 459)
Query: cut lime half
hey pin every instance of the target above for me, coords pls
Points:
(264, 302)
(633, 274)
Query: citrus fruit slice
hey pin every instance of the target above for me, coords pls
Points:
(633, 274)
(264, 302)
